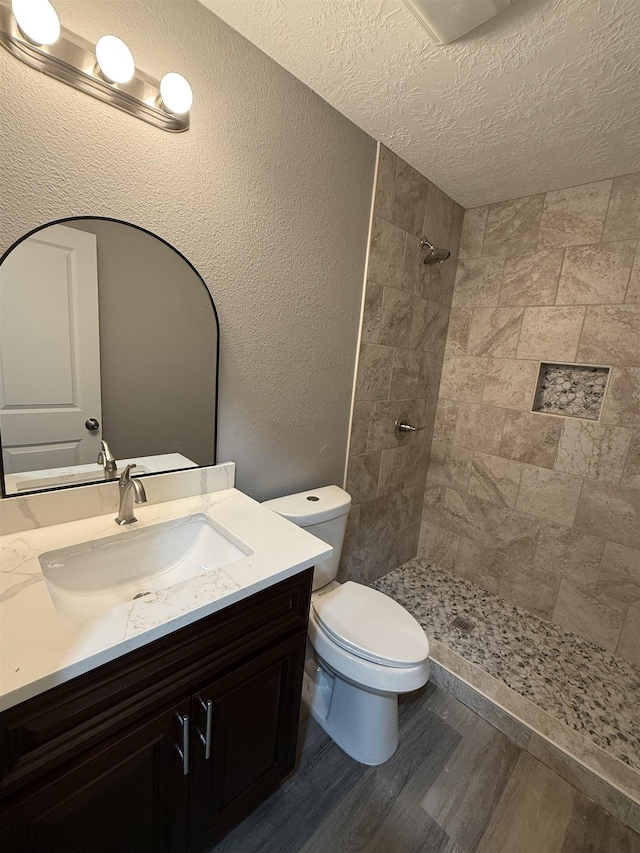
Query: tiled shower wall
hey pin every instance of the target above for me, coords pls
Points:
(542, 509)
(405, 327)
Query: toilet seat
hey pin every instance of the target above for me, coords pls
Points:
(371, 626)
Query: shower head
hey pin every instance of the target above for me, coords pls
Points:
(434, 256)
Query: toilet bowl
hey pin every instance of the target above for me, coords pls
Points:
(363, 647)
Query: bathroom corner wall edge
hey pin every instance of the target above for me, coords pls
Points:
(362, 307)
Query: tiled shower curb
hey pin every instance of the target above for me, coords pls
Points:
(605, 779)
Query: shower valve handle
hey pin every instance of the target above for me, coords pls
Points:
(402, 427)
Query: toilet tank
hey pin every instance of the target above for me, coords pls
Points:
(323, 512)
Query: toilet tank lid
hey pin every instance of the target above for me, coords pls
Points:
(313, 506)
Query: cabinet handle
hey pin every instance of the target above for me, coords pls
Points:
(207, 707)
(184, 752)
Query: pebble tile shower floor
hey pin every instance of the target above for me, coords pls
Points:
(577, 682)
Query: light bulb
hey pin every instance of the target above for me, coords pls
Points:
(115, 60)
(38, 20)
(176, 93)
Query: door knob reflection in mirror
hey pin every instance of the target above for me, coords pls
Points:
(92, 424)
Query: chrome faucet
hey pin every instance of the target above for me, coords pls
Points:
(105, 458)
(127, 488)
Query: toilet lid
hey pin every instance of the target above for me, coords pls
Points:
(371, 625)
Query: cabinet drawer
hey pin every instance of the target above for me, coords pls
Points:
(41, 733)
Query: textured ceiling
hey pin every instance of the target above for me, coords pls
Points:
(545, 95)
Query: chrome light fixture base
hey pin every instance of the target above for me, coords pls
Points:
(72, 60)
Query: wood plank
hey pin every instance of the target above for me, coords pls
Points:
(533, 813)
(464, 796)
(592, 830)
(423, 751)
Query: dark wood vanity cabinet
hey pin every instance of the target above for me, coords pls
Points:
(166, 748)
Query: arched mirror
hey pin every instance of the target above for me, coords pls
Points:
(107, 335)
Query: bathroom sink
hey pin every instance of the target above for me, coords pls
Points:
(90, 578)
(60, 477)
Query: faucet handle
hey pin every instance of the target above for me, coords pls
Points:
(126, 474)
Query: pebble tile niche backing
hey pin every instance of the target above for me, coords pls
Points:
(572, 390)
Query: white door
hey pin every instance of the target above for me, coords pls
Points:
(49, 351)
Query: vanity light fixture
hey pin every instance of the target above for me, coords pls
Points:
(31, 31)
(175, 93)
(37, 21)
(115, 60)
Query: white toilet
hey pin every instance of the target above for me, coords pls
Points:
(364, 648)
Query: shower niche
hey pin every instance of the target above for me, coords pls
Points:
(571, 390)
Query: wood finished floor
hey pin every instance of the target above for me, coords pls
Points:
(455, 785)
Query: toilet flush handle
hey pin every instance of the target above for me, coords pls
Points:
(402, 427)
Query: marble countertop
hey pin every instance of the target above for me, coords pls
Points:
(41, 648)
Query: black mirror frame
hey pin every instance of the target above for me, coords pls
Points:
(3, 493)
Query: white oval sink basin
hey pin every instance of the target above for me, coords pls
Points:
(90, 578)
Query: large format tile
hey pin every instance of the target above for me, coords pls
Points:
(437, 545)
(596, 274)
(495, 332)
(599, 618)
(549, 494)
(450, 465)
(478, 282)
(473, 228)
(407, 378)
(374, 372)
(512, 226)
(622, 402)
(444, 426)
(623, 217)
(514, 533)
(494, 479)
(528, 585)
(455, 511)
(510, 383)
(593, 450)
(610, 511)
(571, 553)
(386, 253)
(372, 312)
(438, 216)
(629, 644)
(362, 477)
(618, 575)
(551, 334)
(531, 278)
(531, 438)
(409, 198)
(429, 326)
(458, 331)
(574, 215)
(463, 378)
(633, 291)
(631, 472)
(479, 428)
(394, 329)
(611, 335)
(384, 182)
(360, 427)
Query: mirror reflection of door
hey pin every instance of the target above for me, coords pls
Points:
(50, 351)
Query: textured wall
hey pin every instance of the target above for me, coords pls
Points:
(268, 194)
(544, 95)
(544, 509)
(403, 337)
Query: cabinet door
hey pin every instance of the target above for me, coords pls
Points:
(128, 794)
(253, 726)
